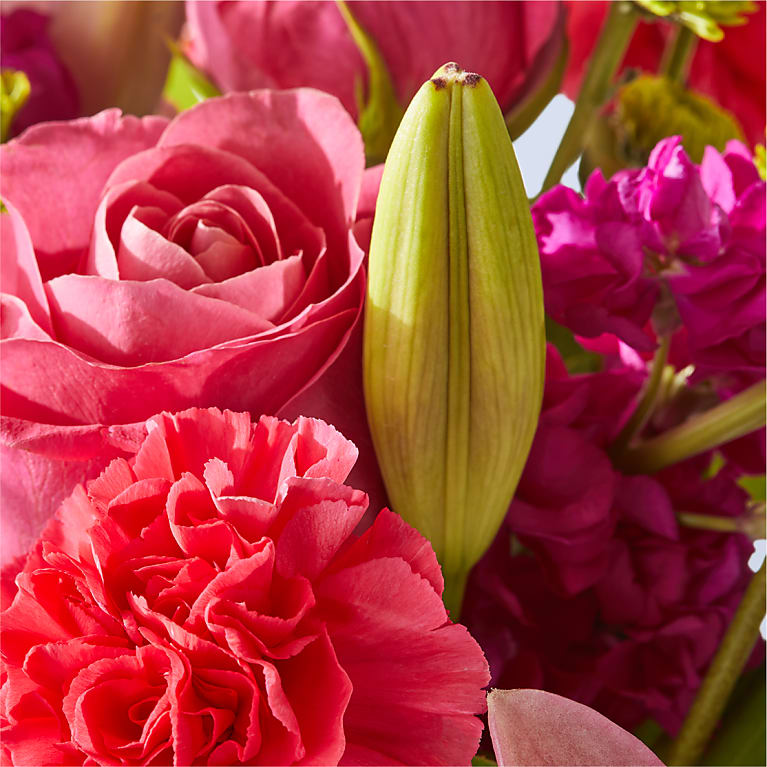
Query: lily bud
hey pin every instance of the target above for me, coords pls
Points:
(454, 329)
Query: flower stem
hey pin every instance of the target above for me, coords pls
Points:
(678, 55)
(455, 587)
(752, 524)
(740, 415)
(724, 671)
(646, 404)
(613, 40)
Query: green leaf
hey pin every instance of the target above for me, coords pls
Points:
(754, 486)
(576, 358)
(186, 85)
(740, 739)
(381, 114)
(483, 761)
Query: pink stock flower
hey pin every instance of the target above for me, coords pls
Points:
(666, 247)
(206, 602)
(149, 265)
(602, 596)
(513, 45)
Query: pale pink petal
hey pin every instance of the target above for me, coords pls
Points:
(267, 291)
(302, 140)
(533, 727)
(144, 255)
(112, 211)
(21, 276)
(16, 322)
(132, 323)
(54, 175)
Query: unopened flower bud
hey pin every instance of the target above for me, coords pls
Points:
(454, 333)
(646, 110)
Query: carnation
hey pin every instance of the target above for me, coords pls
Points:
(208, 602)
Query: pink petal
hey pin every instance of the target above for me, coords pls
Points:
(45, 178)
(302, 44)
(302, 140)
(144, 255)
(21, 277)
(267, 291)
(67, 387)
(533, 727)
(16, 322)
(39, 467)
(132, 323)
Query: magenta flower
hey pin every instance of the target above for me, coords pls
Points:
(592, 588)
(27, 48)
(668, 247)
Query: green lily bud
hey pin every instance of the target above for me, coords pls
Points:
(646, 110)
(14, 92)
(454, 329)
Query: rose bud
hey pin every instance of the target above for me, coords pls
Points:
(454, 335)
(646, 110)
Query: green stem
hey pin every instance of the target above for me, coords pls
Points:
(740, 415)
(751, 524)
(455, 587)
(678, 55)
(721, 677)
(646, 404)
(610, 48)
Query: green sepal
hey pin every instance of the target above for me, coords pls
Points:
(705, 19)
(185, 85)
(380, 113)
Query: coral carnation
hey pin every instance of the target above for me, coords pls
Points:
(207, 603)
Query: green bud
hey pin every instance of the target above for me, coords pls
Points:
(646, 110)
(704, 17)
(14, 92)
(454, 331)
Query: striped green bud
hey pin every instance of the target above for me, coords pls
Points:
(454, 330)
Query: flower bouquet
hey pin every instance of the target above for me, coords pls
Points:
(327, 437)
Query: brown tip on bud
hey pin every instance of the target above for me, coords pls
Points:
(471, 79)
(452, 67)
(439, 83)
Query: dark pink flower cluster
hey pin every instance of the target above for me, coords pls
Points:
(667, 248)
(593, 589)
(207, 602)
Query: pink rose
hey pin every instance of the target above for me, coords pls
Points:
(206, 602)
(154, 265)
(513, 45)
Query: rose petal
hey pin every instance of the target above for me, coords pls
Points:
(21, 276)
(147, 321)
(267, 291)
(44, 178)
(302, 140)
(533, 727)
